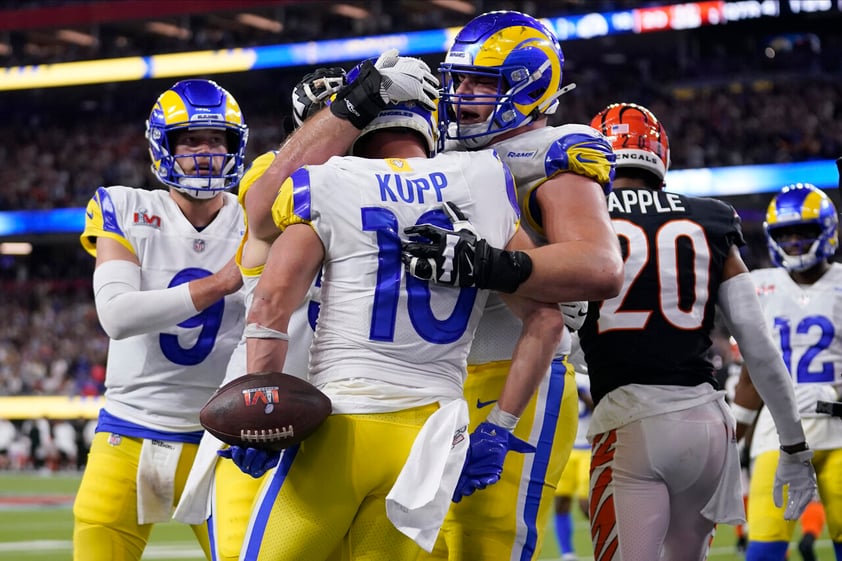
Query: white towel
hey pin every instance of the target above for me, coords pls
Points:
(726, 505)
(156, 469)
(421, 495)
(195, 504)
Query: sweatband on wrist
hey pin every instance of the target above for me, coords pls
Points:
(257, 331)
(500, 270)
(744, 415)
(502, 419)
(360, 101)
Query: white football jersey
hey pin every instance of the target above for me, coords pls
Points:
(806, 323)
(534, 157)
(375, 323)
(161, 380)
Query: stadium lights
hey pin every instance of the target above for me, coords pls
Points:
(260, 22)
(168, 30)
(76, 37)
(15, 248)
(349, 11)
(460, 6)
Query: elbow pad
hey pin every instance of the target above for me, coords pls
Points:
(125, 310)
(744, 318)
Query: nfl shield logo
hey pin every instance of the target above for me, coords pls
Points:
(198, 246)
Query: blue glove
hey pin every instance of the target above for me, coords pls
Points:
(484, 462)
(253, 461)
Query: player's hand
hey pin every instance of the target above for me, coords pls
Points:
(314, 91)
(796, 471)
(448, 256)
(484, 463)
(574, 314)
(253, 461)
(407, 79)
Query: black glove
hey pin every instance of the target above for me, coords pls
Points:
(360, 101)
(314, 92)
(458, 257)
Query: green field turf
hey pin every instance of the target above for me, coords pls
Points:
(43, 532)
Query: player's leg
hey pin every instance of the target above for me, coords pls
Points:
(570, 489)
(691, 450)
(507, 520)
(812, 522)
(185, 463)
(105, 510)
(828, 467)
(768, 532)
(234, 493)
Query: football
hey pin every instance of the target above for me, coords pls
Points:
(269, 410)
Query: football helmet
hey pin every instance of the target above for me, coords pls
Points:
(637, 137)
(196, 104)
(517, 52)
(405, 114)
(801, 204)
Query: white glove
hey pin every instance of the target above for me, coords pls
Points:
(574, 314)
(406, 79)
(795, 470)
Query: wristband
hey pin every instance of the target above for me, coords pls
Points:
(257, 331)
(502, 419)
(744, 415)
(497, 269)
(794, 448)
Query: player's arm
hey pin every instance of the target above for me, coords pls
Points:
(125, 310)
(493, 439)
(747, 403)
(744, 318)
(331, 131)
(293, 262)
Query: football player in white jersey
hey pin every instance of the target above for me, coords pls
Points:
(166, 290)
(389, 350)
(219, 491)
(802, 304)
(501, 80)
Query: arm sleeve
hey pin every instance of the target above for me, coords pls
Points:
(125, 310)
(744, 318)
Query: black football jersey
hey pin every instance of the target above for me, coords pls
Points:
(657, 329)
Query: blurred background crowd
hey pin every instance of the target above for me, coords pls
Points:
(763, 91)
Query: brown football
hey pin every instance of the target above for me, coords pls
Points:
(269, 410)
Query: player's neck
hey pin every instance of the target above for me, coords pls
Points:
(394, 145)
(811, 275)
(199, 212)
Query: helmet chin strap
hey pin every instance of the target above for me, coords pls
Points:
(799, 263)
(550, 104)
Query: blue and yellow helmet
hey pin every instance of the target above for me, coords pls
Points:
(517, 51)
(807, 208)
(196, 104)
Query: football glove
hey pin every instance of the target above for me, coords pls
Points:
(483, 465)
(314, 91)
(391, 78)
(796, 471)
(574, 314)
(458, 257)
(253, 461)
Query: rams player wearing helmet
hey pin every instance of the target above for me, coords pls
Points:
(389, 350)
(166, 290)
(665, 466)
(802, 304)
(501, 80)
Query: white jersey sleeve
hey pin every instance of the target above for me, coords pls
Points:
(161, 380)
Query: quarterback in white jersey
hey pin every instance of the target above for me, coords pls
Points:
(389, 350)
(166, 290)
(802, 303)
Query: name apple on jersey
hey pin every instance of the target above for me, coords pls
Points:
(644, 201)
